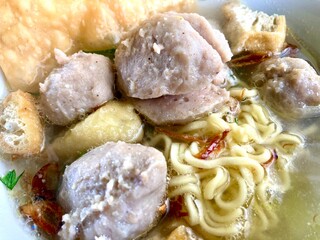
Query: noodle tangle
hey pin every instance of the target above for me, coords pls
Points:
(224, 193)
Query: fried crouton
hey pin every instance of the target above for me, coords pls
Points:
(21, 131)
(253, 31)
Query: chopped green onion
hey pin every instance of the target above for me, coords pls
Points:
(10, 179)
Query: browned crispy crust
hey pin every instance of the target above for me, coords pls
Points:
(21, 131)
(251, 31)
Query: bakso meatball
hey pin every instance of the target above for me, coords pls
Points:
(180, 109)
(213, 36)
(114, 191)
(166, 55)
(288, 84)
(83, 82)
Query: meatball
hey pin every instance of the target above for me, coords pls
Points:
(213, 36)
(166, 55)
(114, 191)
(180, 109)
(288, 84)
(83, 82)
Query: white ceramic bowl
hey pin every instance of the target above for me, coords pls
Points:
(303, 19)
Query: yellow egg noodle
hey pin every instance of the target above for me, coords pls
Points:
(224, 194)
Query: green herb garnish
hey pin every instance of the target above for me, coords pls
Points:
(10, 179)
(108, 52)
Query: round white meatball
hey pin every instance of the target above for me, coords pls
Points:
(289, 85)
(113, 191)
(166, 55)
(83, 82)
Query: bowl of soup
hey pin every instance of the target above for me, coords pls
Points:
(247, 174)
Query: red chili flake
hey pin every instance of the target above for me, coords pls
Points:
(47, 215)
(45, 181)
(214, 145)
(273, 158)
(176, 207)
(211, 143)
(248, 59)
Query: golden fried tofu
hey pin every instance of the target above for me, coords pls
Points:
(21, 131)
(114, 121)
(253, 31)
(31, 29)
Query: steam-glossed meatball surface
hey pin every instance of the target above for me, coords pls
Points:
(113, 191)
(290, 85)
(212, 35)
(83, 82)
(181, 109)
(166, 55)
